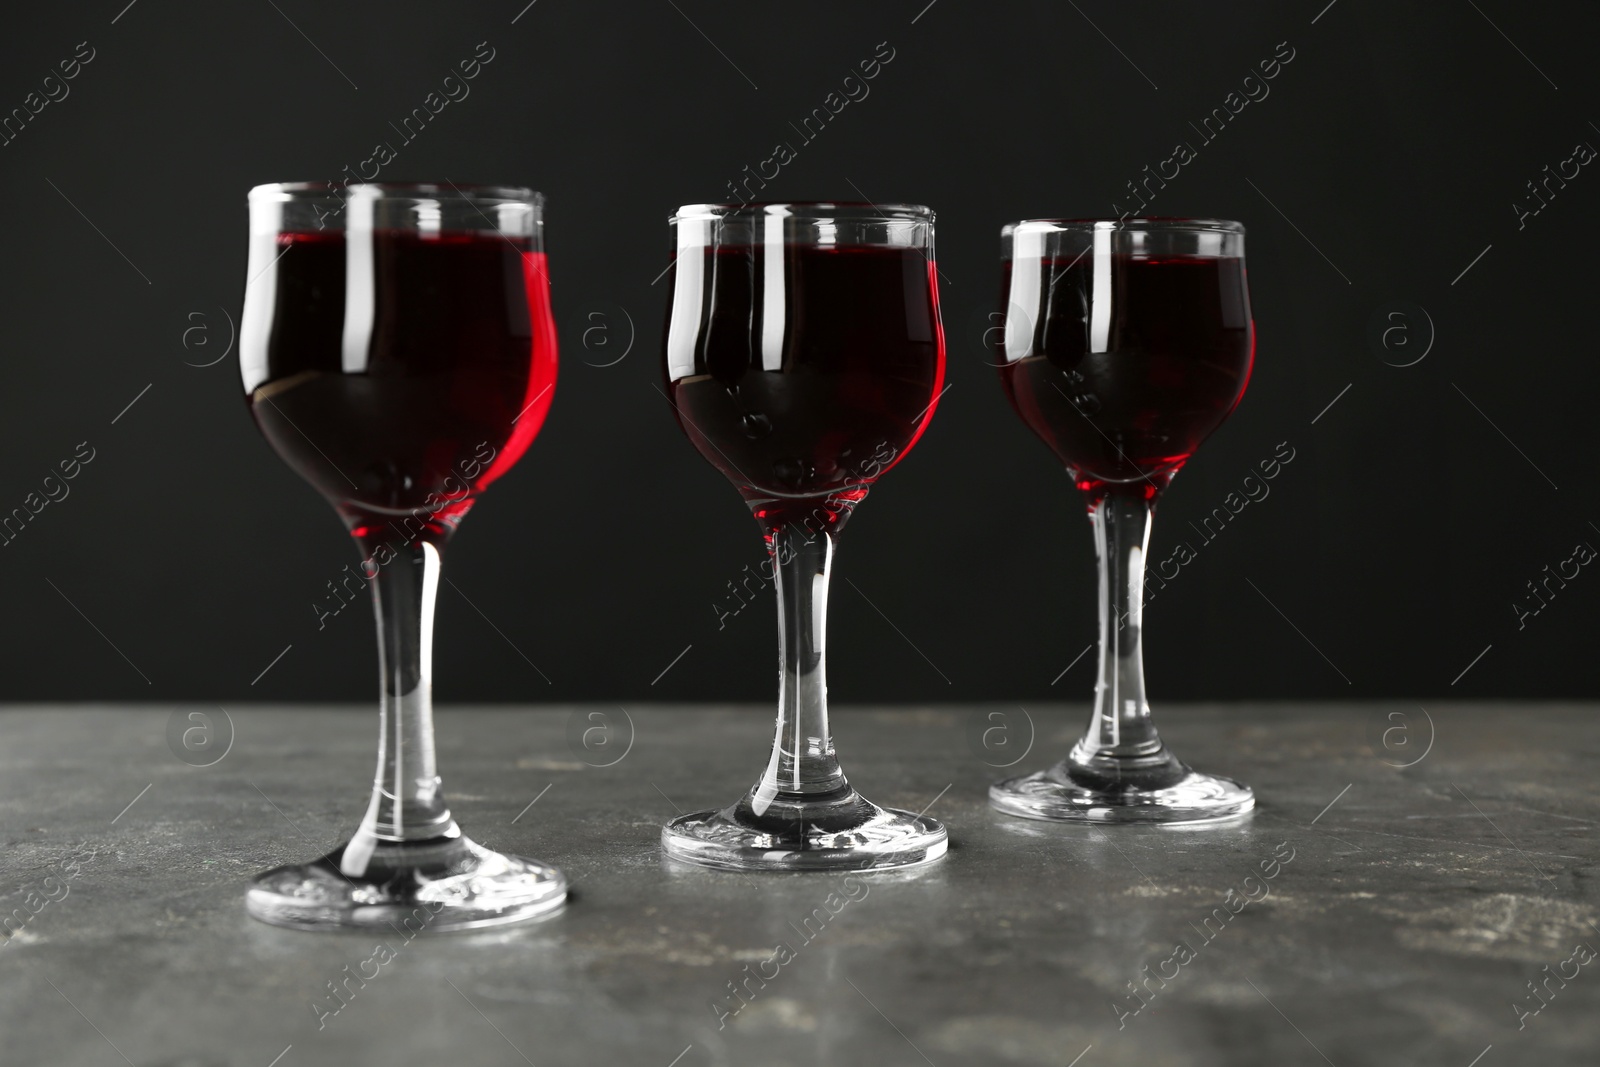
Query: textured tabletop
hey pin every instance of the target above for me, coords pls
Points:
(1366, 913)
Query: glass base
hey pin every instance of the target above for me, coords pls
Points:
(832, 832)
(1070, 793)
(448, 883)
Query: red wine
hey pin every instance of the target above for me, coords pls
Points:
(805, 411)
(1125, 392)
(403, 398)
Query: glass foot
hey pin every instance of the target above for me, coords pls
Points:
(843, 831)
(447, 883)
(1068, 793)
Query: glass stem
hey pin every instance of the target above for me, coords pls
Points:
(1121, 740)
(407, 804)
(802, 763)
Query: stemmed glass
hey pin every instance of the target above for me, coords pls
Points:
(804, 357)
(398, 352)
(1126, 343)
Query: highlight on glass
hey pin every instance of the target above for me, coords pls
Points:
(1126, 343)
(804, 358)
(398, 353)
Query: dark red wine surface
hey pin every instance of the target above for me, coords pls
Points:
(437, 389)
(804, 391)
(1174, 360)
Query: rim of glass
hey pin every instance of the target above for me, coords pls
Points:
(1151, 223)
(284, 192)
(827, 210)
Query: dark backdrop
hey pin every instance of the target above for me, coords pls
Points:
(1385, 162)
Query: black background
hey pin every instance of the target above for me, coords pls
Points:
(188, 556)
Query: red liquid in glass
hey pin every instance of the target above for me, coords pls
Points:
(805, 405)
(453, 365)
(1174, 362)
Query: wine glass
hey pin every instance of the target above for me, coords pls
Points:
(398, 352)
(1126, 343)
(804, 357)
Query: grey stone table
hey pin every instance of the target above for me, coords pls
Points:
(1366, 913)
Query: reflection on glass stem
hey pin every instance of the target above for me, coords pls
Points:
(406, 804)
(802, 761)
(1121, 741)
